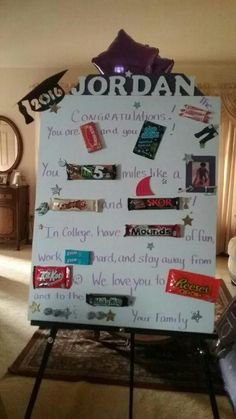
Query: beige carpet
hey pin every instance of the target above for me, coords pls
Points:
(63, 400)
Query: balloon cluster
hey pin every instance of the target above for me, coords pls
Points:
(126, 55)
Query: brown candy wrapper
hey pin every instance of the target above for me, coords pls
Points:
(156, 230)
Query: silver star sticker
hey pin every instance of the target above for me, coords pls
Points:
(54, 108)
(137, 105)
(128, 73)
(188, 158)
(150, 246)
(56, 190)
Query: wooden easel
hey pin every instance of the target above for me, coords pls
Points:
(198, 339)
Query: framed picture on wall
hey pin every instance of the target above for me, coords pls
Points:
(200, 174)
(3, 178)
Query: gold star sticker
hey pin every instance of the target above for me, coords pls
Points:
(110, 316)
(54, 108)
(187, 220)
(35, 307)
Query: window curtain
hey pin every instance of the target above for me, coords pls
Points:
(226, 211)
(226, 186)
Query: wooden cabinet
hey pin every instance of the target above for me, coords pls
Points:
(14, 214)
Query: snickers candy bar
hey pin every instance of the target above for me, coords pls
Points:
(153, 203)
(91, 137)
(90, 172)
(149, 140)
(58, 204)
(52, 277)
(106, 300)
(157, 230)
(189, 284)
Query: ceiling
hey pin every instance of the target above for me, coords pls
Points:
(59, 33)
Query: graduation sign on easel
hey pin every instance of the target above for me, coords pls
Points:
(125, 224)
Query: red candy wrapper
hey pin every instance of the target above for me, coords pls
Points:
(189, 284)
(197, 114)
(91, 137)
(52, 277)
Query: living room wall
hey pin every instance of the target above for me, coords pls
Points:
(15, 83)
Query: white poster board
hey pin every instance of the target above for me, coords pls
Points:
(120, 265)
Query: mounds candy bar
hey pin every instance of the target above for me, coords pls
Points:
(149, 139)
(91, 172)
(57, 204)
(91, 137)
(52, 277)
(197, 114)
(153, 203)
(189, 284)
(107, 300)
(157, 230)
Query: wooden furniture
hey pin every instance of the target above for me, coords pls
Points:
(14, 213)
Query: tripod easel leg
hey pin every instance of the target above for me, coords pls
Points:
(131, 376)
(33, 397)
(204, 352)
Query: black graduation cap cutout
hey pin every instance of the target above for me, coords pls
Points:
(44, 96)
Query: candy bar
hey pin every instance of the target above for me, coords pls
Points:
(58, 204)
(90, 172)
(197, 114)
(52, 277)
(149, 139)
(108, 300)
(152, 230)
(77, 257)
(189, 284)
(91, 137)
(153, 203)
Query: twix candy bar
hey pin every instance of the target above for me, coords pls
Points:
(189, 284)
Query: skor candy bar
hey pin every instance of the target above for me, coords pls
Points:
(153, 203)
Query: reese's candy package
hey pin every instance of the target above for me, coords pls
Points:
(189, 284)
